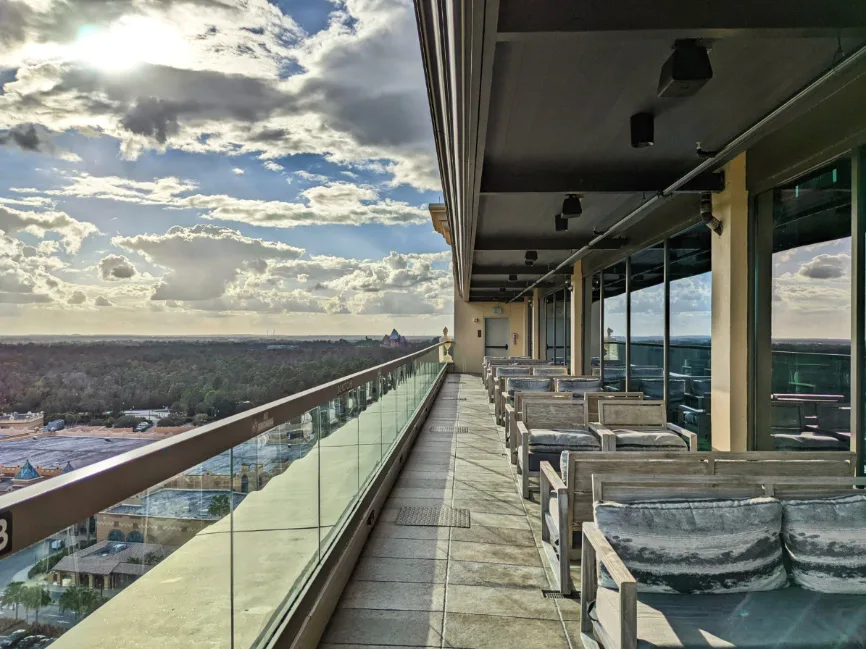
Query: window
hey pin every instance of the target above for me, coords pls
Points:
(689, 383)
(593, 328)
(614, 327)
(807, 223)
(557, 327)
(647, 313)
(634, 334)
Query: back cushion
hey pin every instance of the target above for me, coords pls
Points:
(527, 384)
(710, 546)
(578, 386)
(826, 539)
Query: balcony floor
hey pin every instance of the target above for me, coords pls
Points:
(454, 587)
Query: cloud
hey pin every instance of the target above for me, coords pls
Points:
(270, 165)
(115, 267)
(34, 138)
(40, 224)
(826, 266)
(238, 172)
(202, 260)
(236, 78)
(102, 301)
(337, 202)
(77, 297)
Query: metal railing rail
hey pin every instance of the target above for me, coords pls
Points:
(38, 511)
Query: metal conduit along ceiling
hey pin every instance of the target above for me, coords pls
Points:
(546, 92)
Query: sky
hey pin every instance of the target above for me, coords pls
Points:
(217, 167)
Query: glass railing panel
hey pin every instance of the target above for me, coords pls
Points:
(370, 447)
(339, 465)
(389, 409)
(275, 523)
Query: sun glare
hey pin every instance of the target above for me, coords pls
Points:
(129, 42)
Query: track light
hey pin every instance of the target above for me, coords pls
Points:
(571, 207)
(512, 278)
(707, 214)
(502, 290)
(686, 71)
(530, 258)
(642, 130)
(560, 223)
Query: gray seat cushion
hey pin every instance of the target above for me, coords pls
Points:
(808, 442)
(527, 384)
(701, 546)
(826, 539)
(578, 387)
(792, 618)
(648, 439)
(571, 440)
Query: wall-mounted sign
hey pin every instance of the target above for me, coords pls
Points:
(5, 533)
(497, 310)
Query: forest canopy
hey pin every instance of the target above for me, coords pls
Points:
(195, 379)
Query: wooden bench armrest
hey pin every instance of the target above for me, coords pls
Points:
(690, 437)
(605, 436)
(550, 478)
(596, 547)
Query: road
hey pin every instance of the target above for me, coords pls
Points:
(15, 563)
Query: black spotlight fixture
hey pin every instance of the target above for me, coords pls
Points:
(512, 278)
(642, 130)
(530, 257)
(502, 290)
(686, 71)
(707, 214)
(571, 206)
(560, 223)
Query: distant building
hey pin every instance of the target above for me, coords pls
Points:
(22, 420)
(394, 340)
(109, 564)
(164, 516)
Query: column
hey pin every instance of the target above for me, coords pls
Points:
(536, 324)
(576, 306)
(730, 312)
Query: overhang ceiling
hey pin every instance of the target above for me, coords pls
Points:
(535, 98)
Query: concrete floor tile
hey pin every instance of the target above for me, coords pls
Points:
(491, 553)
(500, 601)
(392, 531)
(395, 596)
(494, 535)
(421, 492)
(369, 627)
(406, 548)
(508, 521)
(490, 574)
(400, 570)
(493, 632)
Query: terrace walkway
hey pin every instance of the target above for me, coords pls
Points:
(456, 587)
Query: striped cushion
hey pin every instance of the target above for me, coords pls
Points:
(710, 546)
(826, 539)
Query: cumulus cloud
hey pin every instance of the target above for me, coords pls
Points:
(333, 203)
(238, 172)
(40, 224)
(202, 260)
(34, 138)
(115, 267)
(270, 165)
(101, 300)
(77, 297)
(826, 266)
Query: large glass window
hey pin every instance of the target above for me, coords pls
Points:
(646, 350)
(593, 326)
(690, 331)
(557, 323)
(810, 312)
(614, 334)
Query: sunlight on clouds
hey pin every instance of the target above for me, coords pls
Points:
(128, 42)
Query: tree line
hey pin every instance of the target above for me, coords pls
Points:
(196, 380)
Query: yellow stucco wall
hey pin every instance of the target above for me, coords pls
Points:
(468, 346)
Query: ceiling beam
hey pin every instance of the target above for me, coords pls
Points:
(559, 243)
(519, 19)
(513, 181)
(492, 285)
(517, 270)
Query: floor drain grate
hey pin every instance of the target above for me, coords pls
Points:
(555, 594)
(449, 429)
(433, 517)
(453, 398)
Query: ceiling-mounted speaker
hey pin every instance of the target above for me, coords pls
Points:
(560, 223)
(686, 71)
(642, 130)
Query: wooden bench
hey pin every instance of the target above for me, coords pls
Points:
(514, 411)
(566, 502)
(550, 415)
(639, 425)
(592, 399)
(626, 619)
(490, 381)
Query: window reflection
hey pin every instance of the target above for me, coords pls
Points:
(614, 327)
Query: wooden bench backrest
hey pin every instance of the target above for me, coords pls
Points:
(638, 413)
(623, 488)
(592, 400)
(521, 397)
(554, 414)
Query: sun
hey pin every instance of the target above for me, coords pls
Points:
(128, 42)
